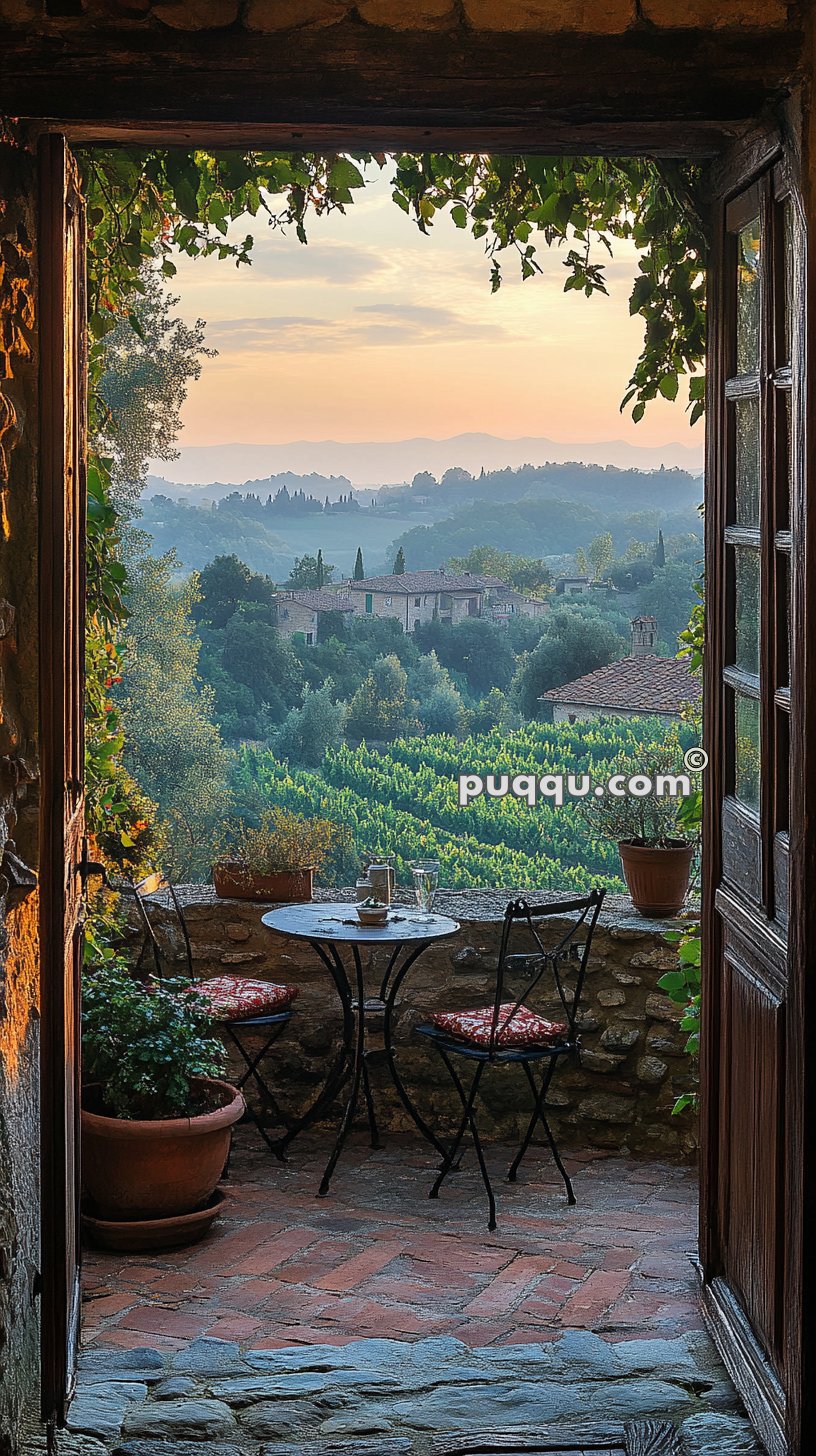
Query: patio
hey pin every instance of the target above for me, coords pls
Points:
(381, 1322)
(378, 1258)
(378, 1321)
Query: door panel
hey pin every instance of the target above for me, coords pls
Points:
(62, 595)
(749, 1046)
(752, 1214)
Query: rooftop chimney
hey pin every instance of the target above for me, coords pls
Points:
(644, 636)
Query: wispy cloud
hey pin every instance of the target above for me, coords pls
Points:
(371, 325)
(420, 315)
(375, 331)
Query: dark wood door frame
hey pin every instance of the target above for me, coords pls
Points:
(62, 636)
(704, 139)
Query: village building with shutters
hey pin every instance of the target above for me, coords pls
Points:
(416, 597)
(299, 612)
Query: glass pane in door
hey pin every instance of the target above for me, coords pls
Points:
(747, 610)
(746, 414)
(748, 261)
(747, 751)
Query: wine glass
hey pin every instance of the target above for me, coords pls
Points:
(426, 881)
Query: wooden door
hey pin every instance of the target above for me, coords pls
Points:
(753, 1045)
(62, 594)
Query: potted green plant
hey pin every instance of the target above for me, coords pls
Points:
(156, 1116)
(372, 911)
(656, 834)
(277, 860)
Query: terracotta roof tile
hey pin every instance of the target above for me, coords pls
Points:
(642, 684)
(319, 601)
(407, 582)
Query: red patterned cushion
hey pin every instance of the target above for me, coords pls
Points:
(235, 998)
(522, 1029)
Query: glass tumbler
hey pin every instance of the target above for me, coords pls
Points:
(426, 882)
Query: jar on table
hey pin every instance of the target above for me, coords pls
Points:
(382, 882)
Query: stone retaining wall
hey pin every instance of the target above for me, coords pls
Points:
(632, 1063)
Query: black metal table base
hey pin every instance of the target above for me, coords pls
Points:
(357, 1014)
(326, 927)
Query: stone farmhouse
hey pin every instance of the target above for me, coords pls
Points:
(507, 603)
(414, 597)
(582, 586)
(300, 611)
(640, 685)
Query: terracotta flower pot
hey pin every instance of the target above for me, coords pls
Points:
(148, 1170)
(233, 882)
(657, 878)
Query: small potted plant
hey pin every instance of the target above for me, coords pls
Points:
(656, 836)
(277, 860)
(156, 1117)
(372, 911)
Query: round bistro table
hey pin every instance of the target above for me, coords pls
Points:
(330, 929)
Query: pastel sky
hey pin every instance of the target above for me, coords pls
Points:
(376, 332)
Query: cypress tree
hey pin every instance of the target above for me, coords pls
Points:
(359, 571)
(320, 570)
(399, 563)
(660, 550)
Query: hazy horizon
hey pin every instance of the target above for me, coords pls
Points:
(369, 463)
(374, 334)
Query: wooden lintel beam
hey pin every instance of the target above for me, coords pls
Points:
(541, 136)
(678, 93)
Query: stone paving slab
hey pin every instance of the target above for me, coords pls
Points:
(393, 1398)
(99, 1410)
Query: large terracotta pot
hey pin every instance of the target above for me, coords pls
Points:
(657, 878)
(233, 882)
(148, 1170)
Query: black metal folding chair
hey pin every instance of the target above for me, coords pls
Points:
(243, 1007)
(511, 1031)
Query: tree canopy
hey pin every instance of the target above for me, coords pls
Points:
(310, 573)
(226, 585)
(172, 747)
(577, 641)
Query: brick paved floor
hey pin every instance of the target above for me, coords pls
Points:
(378, 1258)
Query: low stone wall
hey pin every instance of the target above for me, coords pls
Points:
(619, 1094)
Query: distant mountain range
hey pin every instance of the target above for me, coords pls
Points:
(373, 463)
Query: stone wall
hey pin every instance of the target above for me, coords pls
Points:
(632, 1064)
(588, 17)
(19, 969)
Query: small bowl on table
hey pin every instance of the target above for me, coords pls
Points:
(372, 912)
